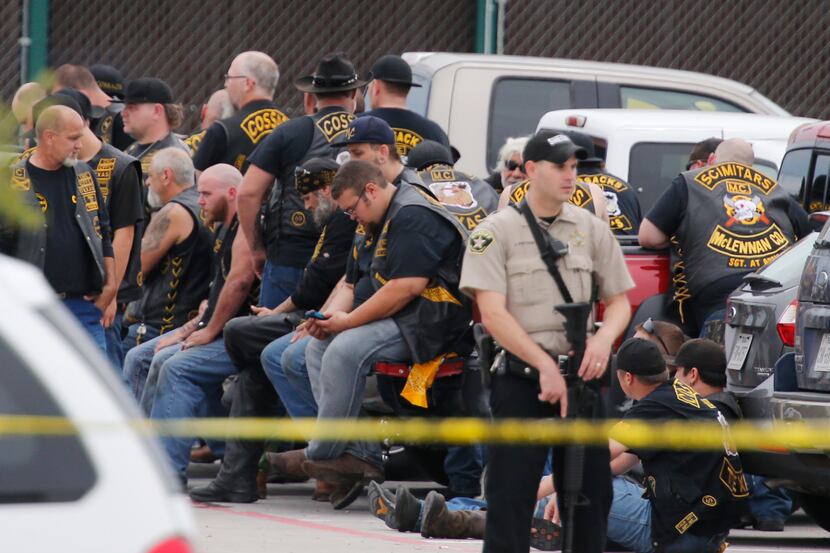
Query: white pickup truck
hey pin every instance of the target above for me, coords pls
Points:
(480, 100)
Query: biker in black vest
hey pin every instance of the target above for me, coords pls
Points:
(281, 250)
(250, 83)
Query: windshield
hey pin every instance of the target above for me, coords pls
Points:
(787, 268)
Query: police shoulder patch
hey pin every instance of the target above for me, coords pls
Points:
(480, 240)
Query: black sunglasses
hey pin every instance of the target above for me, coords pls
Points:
(511, 165)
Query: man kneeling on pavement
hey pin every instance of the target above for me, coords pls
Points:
(412, 312)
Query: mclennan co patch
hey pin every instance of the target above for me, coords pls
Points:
(480, 240)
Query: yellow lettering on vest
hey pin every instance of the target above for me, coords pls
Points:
(262, 123)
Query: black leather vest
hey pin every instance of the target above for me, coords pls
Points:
(469, 198)
(110, 165)
(246, 128)
(736, 221)
(621, 202)
(223, 251)
(144, 153)
(174, 289)
(286, 218)
(30, 244)
(434, 322)
(103, 127)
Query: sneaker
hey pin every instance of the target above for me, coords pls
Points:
(381, 500)
(407, 510)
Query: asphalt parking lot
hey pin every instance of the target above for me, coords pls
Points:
(288, 521)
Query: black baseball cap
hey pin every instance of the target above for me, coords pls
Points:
(392, 69)
(367, 130)
(707, 356)
(552, 146)
(88, 111)
(56, 100)
(314, 174)
(109, 79)
(584, 141)
(429, 152)
(148, 90)
(640, 357)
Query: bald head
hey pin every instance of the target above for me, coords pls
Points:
(27, 96)
(260, 68)
(57, 119)
(736, 150)
(224, 175)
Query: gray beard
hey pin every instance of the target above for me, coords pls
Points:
(153, 200)
(70, 161)
(323, 211)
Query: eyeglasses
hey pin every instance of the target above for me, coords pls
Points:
(226, 76)
(511, 165)
(648, 326)
(350, 211)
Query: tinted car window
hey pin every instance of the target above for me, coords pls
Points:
(516, 107)
(793, 173)
(819, 194)
(37, 469)
(652, 166)
(632, 97)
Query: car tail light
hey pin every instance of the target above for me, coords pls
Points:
(786, 324)
(576, 120)
(173, 545)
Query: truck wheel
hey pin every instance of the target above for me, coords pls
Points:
(817, 508)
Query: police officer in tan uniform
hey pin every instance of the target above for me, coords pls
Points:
(516, 295)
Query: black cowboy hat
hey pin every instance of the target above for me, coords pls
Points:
(334, 73)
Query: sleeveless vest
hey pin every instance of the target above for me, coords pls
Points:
(103, 127)
(174, 288)
(246, 128)
(736, 221)
(622, 204)
(145, 154)
(468, 198)
(109, 165)
(223, 250)
(434, 322)
(30, 243)
(286, 218)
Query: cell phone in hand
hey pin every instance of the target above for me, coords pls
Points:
(312, 314)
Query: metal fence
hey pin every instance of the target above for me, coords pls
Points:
(779, 48)
(190, 43)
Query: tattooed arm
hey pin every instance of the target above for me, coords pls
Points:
(171, 225)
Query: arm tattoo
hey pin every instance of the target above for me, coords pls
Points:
(156, 231)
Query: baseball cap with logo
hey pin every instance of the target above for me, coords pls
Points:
(367, 130)
(148, 90)
(109, 79)
(552, 146)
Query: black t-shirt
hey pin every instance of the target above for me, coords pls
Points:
(126, 200)
(211, 147)
(682, 482)
(357, 267)
(410, 128)
(327, 263)
(419, 241)
(69, 266)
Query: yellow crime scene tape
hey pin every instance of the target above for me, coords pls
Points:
(676, 435)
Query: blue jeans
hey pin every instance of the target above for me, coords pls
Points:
(337, 368)
(115, 348)
(278, 358)
(629, 521)
(463, 465)
(768, 503)
(278, 282)
(137, 365)
(133, 339)
(90, 318)
(190, 385)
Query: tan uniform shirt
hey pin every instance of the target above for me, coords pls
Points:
(502, 257)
